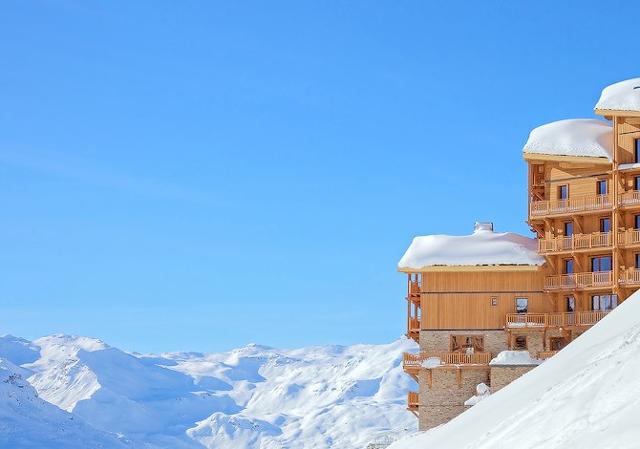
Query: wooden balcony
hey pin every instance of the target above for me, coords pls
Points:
(585, 203)
(566, 319)
(544, 355)
(413, 401)
(630, 277)
(629, 237)
(630, 198)
(575, 281)
(576, 242)
(412, 362)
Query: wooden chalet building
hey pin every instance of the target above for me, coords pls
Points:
(470, 298)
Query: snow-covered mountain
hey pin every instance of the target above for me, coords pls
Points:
(587, 397)
(26, 421)
(252, 397)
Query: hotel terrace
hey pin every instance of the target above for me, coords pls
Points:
(472, 301)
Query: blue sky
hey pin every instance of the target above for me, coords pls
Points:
(201, 175)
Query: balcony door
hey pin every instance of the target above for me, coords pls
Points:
(467, 343)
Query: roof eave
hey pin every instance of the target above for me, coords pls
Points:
(610, 113)
(560, 158)
(450, 268)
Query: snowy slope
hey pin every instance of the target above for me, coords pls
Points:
(26, 421)
(251, 397)
(587, 397)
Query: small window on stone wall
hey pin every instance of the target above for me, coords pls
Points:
(520, 343)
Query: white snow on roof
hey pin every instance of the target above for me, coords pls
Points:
(573, 137)
(587, 396)
(483, 247)
(514, 358)
(622, 96)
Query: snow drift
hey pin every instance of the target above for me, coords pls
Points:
(587, 396)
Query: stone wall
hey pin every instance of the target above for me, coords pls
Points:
(495, 341)
(503, 375)
(450, 388)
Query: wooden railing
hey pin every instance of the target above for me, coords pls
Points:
(578, 280)
(629, 198)
(586, 318)
(415, 360)
(413, 400)
(630, 277)
(543, 355)
(575, 242)
(629, 237)
(576, 204)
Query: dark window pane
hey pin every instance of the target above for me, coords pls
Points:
(602, 187)
(568, 229)
(636, 221)
(636, 183)
(522, 305)
(568, 266)
(605, 224)
(637, 260)
(637, 151)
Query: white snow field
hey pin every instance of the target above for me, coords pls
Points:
(249, 398)
(586, 397)
(27, 421)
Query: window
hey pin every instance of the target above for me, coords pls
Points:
(520, 343)
(563, 192)
(602, 263)
(494, 301)
(601, 187)
(571, 303)
(568, 229)
(568, 266)
(522, 305)
(557, 343)
(636, 221)
(636, 183)
(604, 302)
(467, 343)
(637, 257)
(636, 152)
(605, 224)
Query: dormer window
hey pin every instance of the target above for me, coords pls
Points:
(601, 186)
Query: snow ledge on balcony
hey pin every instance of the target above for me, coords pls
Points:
(572, 137)
(511, 358)
(482, 248)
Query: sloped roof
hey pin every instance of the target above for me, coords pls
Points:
(622, 96)
(572, 137)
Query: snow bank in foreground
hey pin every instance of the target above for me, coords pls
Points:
(622, 96)
(574, 137)
(514, 358)
(587, 396)
(483, 247)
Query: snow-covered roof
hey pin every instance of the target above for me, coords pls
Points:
(573, 137)
(483, 247)
(622, 96)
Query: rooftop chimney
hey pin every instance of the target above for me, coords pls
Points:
(483, 226)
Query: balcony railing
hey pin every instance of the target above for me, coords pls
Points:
(629, 198)
(570, 205)
(413, 400)
(629, 237)
(414, 361)
(630, 277)
(579, 280)
(574, 242)
(544, 355)
(539, 320)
